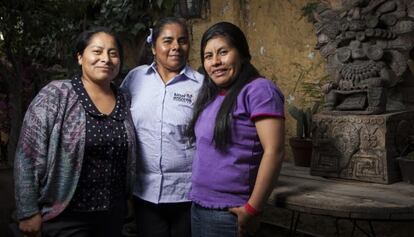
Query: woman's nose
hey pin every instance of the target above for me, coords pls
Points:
(216, 60)
(104, 57)
(175, 45)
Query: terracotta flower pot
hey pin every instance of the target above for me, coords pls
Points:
(302, 151)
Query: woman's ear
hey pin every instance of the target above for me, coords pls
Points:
(79, 56)
(153, 49)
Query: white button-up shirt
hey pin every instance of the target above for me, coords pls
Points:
(161, 113)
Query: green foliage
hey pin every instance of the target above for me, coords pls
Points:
(130, 18)
(313, 89)
(303, 119)
(37, 37)
(44, 30)
(309, 9)
(310, 86)
(410, 156)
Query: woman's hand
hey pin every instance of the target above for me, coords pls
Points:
(31, 226)
(247, 224)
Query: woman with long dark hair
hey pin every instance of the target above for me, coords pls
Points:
(238, 127)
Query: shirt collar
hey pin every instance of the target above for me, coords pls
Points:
(185, 73)
(119, 112)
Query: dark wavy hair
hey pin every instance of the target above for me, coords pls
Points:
(165, 21)
(156, 30)
(85, 37)
(209, 90)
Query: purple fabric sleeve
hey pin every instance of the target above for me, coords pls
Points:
(263, 99)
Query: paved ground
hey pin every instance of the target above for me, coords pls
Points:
(323, 226)
(7, 206)
(268, 230)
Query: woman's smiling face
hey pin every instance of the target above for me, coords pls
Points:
(100, 61)
(221, 61)
(171, 47)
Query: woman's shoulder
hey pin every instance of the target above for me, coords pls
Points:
(138, 72)
(261, 88)
(51, 96)
(261, 83)
(57, 87)
(141, 69)
(194, 74)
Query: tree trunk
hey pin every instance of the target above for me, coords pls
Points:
(16, 117)
(16, 106)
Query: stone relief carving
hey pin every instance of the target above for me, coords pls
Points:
(361, 147)
(367, 44)
(346, 141)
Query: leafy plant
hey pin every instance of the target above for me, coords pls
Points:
(37, 36)
(410, 156)
(303, 119)
(408, 151)
(308, 84)
(308, 10)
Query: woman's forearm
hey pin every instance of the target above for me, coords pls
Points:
(268, 173)
(271, 134)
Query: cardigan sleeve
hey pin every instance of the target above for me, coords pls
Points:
(32, 151)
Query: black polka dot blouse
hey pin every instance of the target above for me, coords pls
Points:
(103, 176)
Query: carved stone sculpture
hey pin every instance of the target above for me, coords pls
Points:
(367, 44)
(369, 104)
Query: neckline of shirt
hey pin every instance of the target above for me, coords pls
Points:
(185, 73)
(118, 113)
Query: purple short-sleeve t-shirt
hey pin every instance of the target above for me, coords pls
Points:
(226, 179)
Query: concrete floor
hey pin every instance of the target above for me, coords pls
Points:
(7, 206)
(316, 225)
(275, 218)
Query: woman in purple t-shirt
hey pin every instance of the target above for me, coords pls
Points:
(238, 127)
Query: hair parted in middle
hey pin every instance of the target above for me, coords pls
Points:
(209, 90)
(155, 32)
(85, 37)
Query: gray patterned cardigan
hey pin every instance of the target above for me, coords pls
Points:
(50, 151)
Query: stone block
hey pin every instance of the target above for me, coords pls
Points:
(360, 147)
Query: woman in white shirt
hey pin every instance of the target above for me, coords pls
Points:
(163, 94)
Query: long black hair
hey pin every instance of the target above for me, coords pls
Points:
(209, 90)
(85, 37)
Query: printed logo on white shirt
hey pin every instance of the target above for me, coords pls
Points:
(186, 97)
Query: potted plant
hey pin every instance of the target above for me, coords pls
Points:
(301, 144)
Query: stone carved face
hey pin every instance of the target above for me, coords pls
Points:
(359, 51)
(346, 142)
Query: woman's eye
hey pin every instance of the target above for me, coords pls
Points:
(224, 52)
(113, 54)
(183, 41)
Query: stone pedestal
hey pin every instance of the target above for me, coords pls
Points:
(360, 147)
